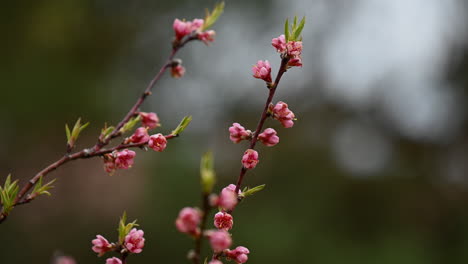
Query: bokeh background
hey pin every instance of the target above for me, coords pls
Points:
(374, 170)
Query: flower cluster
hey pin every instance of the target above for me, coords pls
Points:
(292, 49)
(282, 113)
(185, 28)
(133, 243)
(124, 159)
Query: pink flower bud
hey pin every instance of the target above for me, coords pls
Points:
(269, 137)
(188, 221)
(157, 142)
(282, 113)
(294, 48)
(177, 71)
(207, 36)
(140, 136)
(124, 159)
(239, 254)
(101, 245)
(64, 260)
(295, 62)
(149, 120)
(219, 240)
(134, 241)
(227, 198)
(197, 24)
(279, 43)
(250, 159)
(113, 260)
(181, 28)
(109, 163)
(262, 71)
(215, 261)
(223, 220)
(237, 133)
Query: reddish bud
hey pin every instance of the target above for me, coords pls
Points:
(250, 159)
(134, 241)
(219, 240)
(262, 70)
(124, 159)
(177, 71)
(279, 43)
(188, 221)
(239, 254)
(282, 113)
(223, 220)
(113, 260)
(157, 142)
(149, 120)
(269, 137)
(140, 136)
(237, 133)
(101, 245)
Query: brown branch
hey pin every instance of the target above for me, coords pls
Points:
(261, 122)
(97, 150)
(199, 239)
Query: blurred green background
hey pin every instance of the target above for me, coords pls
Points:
(374, 170)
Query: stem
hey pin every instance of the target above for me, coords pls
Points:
(198, 241)
(97, 150)
(253, 141)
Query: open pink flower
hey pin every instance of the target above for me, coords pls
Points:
(227, 198)
(219, 240)
(124, 159)
(239, 254)
(181, 28)
(149, 120)
(206, 36)
(262, 71)
(177, 71)
(113, 260)
(279, 43)
(157, 142)
(269, 137)
(140, 135)
(101, 245)
(250, 159)
(282, 113)
(134, 241)
(223, 220)
(188, 221)
(237, 133)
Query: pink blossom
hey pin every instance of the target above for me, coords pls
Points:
(188, 220)
(149, 120)
(215, 261)
(223, 220)
(206, 36)
(124, 159)
(157, 142)
(113, 260)
(227, 198)
(295, 62)
(109, 163)
(250, 159)
(269, 137)
(177, 71)
(181, 28)
(101, 245)
(140, 135)
(197, 24)
(134, 241)
(262, 71)
(237, 133)
(239, 254)
(64, 260)
(294, 48)
(219, 240)
(279, 43)
(282, 113)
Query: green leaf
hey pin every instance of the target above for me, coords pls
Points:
(67, 131)
(130, 124)
(212, 17)
(124, 228)
(286, 30)
(39, 189)
(252, 191)
(8, 194)
(106, 131)
(298, 30)
(182, 125)
(207, 173)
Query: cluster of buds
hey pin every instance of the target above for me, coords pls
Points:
(124, 159)
(282, 113)
(291, 49)
(131, 241)
(184, 28)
